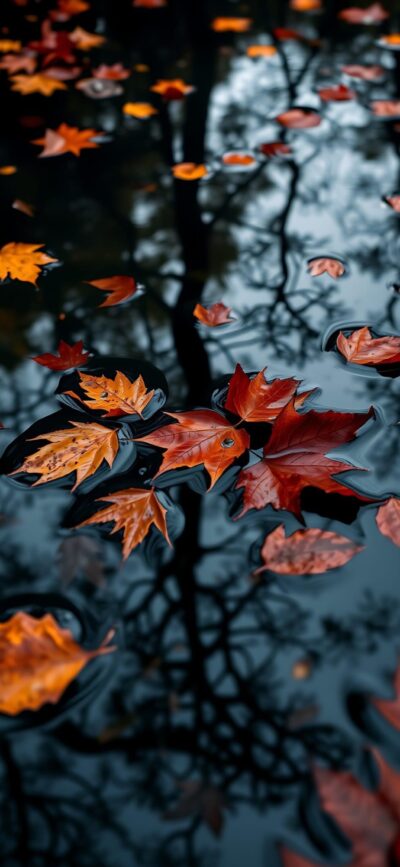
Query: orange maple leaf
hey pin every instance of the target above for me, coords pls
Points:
(134, 511)
(172, 88)
(214, 315)
(305, 552)
(120, 289)
(140, 110)
(189, 171)
(118, 396)
(362, 348)
(22, 261)
(200, 437)
(261, 50)
(36, 83)
(78, 449)
(233, 25)
(66, 139)
(38, 660)
(84, 40)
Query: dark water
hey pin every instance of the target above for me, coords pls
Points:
(203, 685)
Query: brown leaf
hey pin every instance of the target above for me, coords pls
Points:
(67, 139)
(305, 552)
(388, 520)
(39, 82)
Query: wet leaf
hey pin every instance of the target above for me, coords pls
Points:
(231, 25)
(172, 88)
(373, 14)
(118, 396)
(189, 171)
(39, 82)
(299, 118)
(120, 289)
(140, 110)
(149, 4)
(261, 51)
(362, 348)
(23, 207)
(386, 108)
(23, 261)
(238, 158)
(305, 5)
(115, 72)
(38, 660)
(135, 511)
(79, 449)
(294, 458)
(69, 355)
(257, 400)
(8, 170)
(365, 73)
(326, 265)
(305, 552)
(337, 93)
(14, 63)
(67, 139)
(214, 315)
(85, 41)
(199, 798)
(388, 520)
(201, 437)
(273, 149)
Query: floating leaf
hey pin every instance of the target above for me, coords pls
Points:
(214, 315)
(140, 110)
(23, 261)
(79, 449)
(118, 396)
(257, 400)
(38, 660)
(201, 437)
(388, 519)
(299, 118)
(373, 14)
(305, 552)
(86, 41)
(39, 82)
(326, 265)
(238, 158)
(231, 25)
(120, 289)
(67, 139)
(337, 93)
(364, 73)
(115, 72)
(134, 511)
(189, 171)
(172, 88)
(69, 355)
(362, 348)
(261, 51)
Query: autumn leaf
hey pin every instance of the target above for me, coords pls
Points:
(326, 265)
(261, 51)
(294, 458)
(172, 88)
(202, 799)
(79, 449)
(115, 72)
(133, 510)
(149, 4)
(231, 25)
(393, 202)
(362, 348)
(189, 171)
(23, 261)
(336, 93)
(39, 82)
(14, 63)
(238, 159)
(69, 355)
(386, 108)
(373, 14)
(201, 437)
(23, 207)
(67, 139)
(8, 170)
(390, 41)
(305, 5)
(67, 8)
(388, 520)
(305, 552)
(257, 400)
(299, 118)
(10, 45)
(119, 396)
(140, 110)
(120, 289)
(85, 41)
(214, 315)
(273, 149)
(38, 660)
(364, 73)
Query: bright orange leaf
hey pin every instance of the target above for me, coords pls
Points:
(38, 661)
(201, 437)
(386, 107)
(79, 449)
(39, 82)
(84, 41)
(8, 170)
(261, 51)
(66, 139)
(133, 510)
(13, 63)
(118, 396)
(232, 25)
(336, 93)
(120, 289)
(238, 158)
(362, 348)
(299, 118)
(172, 88)
(189, 171)
(305, 552)
(140, 110)
(23, 261)
(10, 45)
(116, 72)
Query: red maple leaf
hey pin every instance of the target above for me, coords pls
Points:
(69, 355)
(362, 348)
(201, 437)
(120, 289)
(257, 400)
(294, 458)
(337, 93)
